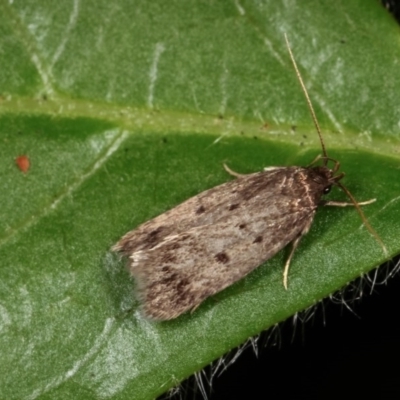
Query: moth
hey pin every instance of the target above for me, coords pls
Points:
(212, 240)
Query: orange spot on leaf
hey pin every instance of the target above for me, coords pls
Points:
(23, 163)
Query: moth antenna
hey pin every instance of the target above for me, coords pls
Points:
(364, 219)
(310, 106)
(326, 158)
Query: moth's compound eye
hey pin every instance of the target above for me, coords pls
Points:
(327, 189)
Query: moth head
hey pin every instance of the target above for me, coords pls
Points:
(325, 176)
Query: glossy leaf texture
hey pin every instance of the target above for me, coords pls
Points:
(125, 109)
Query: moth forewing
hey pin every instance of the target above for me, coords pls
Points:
(215, 243)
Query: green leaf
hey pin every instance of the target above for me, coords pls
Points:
(124, 111)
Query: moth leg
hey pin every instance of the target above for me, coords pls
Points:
(345, 203)
(295, 243)
(194, 308)
(365, 221)
(233, 173)
(316, 159)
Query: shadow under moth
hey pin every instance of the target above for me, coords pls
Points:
(212, 240)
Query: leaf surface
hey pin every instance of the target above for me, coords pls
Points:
(125, 110)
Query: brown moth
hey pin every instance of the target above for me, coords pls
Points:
(212, 240)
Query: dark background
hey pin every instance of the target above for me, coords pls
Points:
(337, 353)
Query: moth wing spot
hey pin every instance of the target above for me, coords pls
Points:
(167, 280)
(153, 237)
(200, 210)
(156, 231)
(222, 257)
(242, 226)
(182, 284)
(258, 239)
